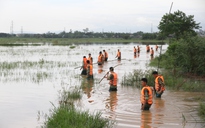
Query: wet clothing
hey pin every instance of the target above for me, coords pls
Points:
(156, 47)
(138, 49)
(152, 53)
(118, 55)
(135, 51)
(146, 97)
(100, 59)
(84, 66)
(113, 81)
(106, 55)
(89, 72)
(148, 48)
(90, 59)
(159, 86)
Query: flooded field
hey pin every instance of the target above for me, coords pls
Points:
(31, 78)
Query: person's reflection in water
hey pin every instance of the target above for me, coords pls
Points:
(146, 119)
(159, 110)
(87, 87)
(111, 103)
(135, 56)
(100, 69)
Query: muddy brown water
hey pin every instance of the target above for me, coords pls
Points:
(26, 90)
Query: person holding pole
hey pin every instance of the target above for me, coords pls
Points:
(112, 77)
(159, 86)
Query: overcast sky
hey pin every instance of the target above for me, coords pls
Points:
(41, 16)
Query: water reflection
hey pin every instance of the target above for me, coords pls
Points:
(100, 69)
(87, 86)
(159, 109)
(146, 119)
(111, 101)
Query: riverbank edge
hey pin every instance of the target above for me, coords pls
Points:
(181, 79)
(71, 41)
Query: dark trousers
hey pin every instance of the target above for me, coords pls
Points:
(147, 106)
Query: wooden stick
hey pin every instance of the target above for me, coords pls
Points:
(108, 72)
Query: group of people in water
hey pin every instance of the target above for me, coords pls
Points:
(147, 92)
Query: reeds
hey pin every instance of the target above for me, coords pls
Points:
(67, 116)
(134, 78)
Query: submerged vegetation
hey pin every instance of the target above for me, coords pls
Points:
(67, 116)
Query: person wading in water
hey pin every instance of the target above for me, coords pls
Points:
(84, 66)
(112, 77)
(89, 70)
(118, 56)
(146, 95)
(105, 55)
(159, 86)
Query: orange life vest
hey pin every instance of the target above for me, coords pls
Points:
(152, 52)
(157, 86)
(135, 50)
(148, 48)
(100, 58)
(90, 67)
(90, 59)
(119, 54)
(143, 95)
(114, 80)
(138, 48)
(106, 55)
(84, 63)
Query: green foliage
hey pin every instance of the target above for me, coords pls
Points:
(134, 78)
(186, 54)
(201, 110)
(146, 36)
(178, 23)
(68, 117)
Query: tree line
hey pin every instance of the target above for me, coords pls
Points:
(80, 34)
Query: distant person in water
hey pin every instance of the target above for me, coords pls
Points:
(135, 51)
(84, 66)
(148, 48)
(152, 53)
(156, 47)
(89, 70)
(118, 56)
(100, 58)
(138, 49)
(159, 86)
(105, 55)
(90, 59)
(146, 95)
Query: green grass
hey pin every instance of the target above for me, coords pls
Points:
(67, 116)
(134, 78)
(17, 41)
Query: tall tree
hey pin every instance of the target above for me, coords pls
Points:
(178, 24)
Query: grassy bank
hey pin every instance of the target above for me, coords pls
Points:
(176, 79)
(69, 41)
(67, 116)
